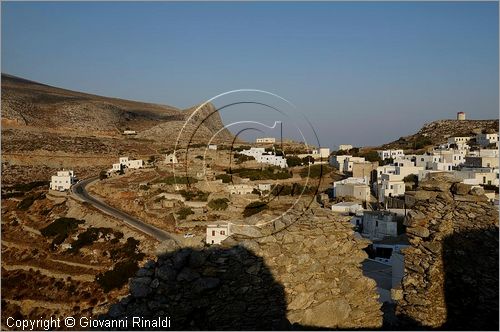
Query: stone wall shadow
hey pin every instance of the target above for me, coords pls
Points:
(470, 259)
(207, 289)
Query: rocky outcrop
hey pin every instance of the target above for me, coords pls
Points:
(307, 275)
(437, 132)
(451, 268)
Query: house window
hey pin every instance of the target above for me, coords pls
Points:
(376, 223)
(213, 233)
(222, 233)
(484, 179)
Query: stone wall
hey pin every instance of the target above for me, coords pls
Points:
(305, 275)
(451, 268)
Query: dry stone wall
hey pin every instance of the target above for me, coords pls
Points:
(305, 275)
(451, 267)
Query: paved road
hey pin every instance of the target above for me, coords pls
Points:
(81, 193)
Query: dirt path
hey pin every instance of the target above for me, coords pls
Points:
(49, 273)
(94, 267)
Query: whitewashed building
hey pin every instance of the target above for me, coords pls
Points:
(352, 187)
(391, 185)
(345, 147)
(62, 181)
(378, 225)
(240, 189)
(170, 158)
(387, 154)
(261, 156)
(212, 146)
(487, 139)
(349, 162)
(347, 207)
(124, 162)
(217, 233)
(338, 162)
(265, 140)
(459, 141)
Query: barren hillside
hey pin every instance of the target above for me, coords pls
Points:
(45, 127)
(437, 132)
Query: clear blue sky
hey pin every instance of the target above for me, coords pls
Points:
(363, 73)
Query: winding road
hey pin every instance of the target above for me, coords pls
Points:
(81, 193)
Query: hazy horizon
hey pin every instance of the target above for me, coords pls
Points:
(362, 73)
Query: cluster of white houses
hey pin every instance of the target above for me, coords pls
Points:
(124, 162)
(475, 167)
(262, 156)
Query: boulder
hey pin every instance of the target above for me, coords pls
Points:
(418, 231)
(139, 287)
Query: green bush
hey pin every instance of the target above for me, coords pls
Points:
(411, 178)
(295, 189)
(25, 187)
(254, 207)
(269, 173)
(26, 203)
(226, 178)
(60, 229)
(218, 204)
(194, 195)
(315, 171)
(129, 250)
(118, 276)
(103, 175)
(91, 235)
(178, 180)
(240, 158)
(293, 161)
(184, 212)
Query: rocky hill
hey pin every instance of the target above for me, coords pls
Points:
(437, 132)
(45, 127)
(301, 275)
(451, 267)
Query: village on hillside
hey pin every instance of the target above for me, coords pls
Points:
(207, 195)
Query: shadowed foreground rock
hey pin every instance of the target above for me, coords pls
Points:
(451, 269)
(306, 276)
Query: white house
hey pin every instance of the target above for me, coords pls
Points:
(391, 185)
(124, 162)
(387, 154)
(345, 147)
(349, 162)
(170, 158)
(478, 175)
(264, 186)
(378, 225)
(352, 187)
(487, 139)
(338, 162)
(240, 189)
(212, 146)
(62, 181)
(324, 152)
(265, 140)
(129, 132)
(460, 141)
(217, 233)
(347, 207)
(261, 156)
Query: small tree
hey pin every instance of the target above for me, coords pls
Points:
(103, 175)
(254, 207)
